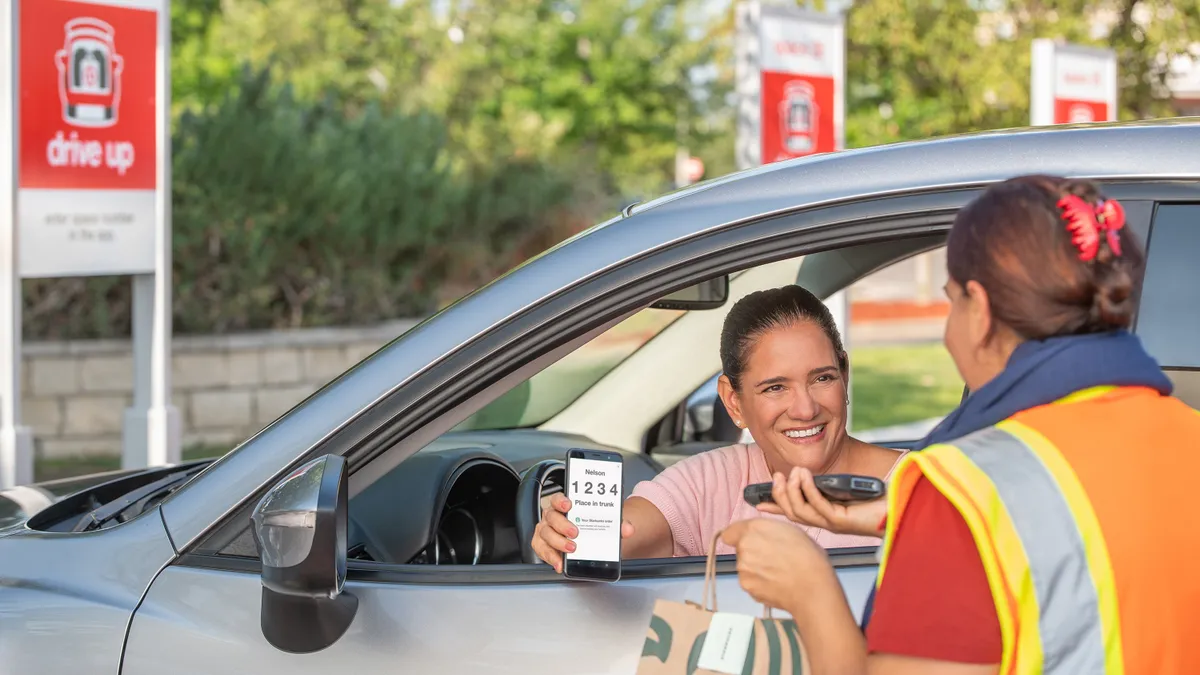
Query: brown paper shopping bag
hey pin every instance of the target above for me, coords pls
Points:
(687, 638)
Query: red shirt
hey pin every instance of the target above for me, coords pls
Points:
(935, 602)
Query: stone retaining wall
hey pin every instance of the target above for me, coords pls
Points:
(226, 386)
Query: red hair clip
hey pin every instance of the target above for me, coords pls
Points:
(1086, 222)
(1111, 216)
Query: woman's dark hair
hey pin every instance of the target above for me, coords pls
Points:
(762, 311)
(1014, 241)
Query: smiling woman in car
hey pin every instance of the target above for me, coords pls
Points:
(784, 378)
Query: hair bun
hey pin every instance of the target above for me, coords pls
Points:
(1044, 274)
(1112, 303)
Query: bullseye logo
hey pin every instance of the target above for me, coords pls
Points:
(1081, 113)
(89, 74)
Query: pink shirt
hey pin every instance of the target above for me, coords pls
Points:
(703, 494)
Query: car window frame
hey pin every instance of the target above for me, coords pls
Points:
(604, 298)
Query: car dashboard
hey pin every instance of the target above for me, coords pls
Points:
(455, 501)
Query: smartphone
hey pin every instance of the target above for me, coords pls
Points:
(594, 488)
(842, 488)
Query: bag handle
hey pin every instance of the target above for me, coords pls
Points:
(710, 574)
(710, 579)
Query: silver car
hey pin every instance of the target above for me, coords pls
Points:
(383, 524)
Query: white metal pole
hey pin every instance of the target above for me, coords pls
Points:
(1114, 91)
(747, 67)
(159, 424)
(152, 427)
(135, 446)
(165, 431)
(1042, 82)
(16, 443)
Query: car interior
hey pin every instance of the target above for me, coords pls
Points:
(472, 497)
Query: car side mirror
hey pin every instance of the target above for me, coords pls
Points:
(699, 417)
(708, 294)
(299, 527)
(707, 419)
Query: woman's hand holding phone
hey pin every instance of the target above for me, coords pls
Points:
(798, 498)
(555, 534)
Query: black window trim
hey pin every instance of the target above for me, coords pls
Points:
(507, 574)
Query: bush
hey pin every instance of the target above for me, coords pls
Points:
(290, 214)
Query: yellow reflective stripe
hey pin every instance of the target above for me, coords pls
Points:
(900, 488)
(1095, 548)
(971, 491)
(898, 492)
(1063, 591)
(1086, 394)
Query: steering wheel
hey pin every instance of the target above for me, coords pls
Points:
(529, 504)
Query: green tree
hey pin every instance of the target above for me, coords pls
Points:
(917, 69)
(1147, 36)
(598, 84)
(924, 68)
(200, 73)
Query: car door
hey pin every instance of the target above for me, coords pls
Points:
(197, 620)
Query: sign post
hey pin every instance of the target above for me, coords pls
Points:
(16, 442)
(791, 75)
(91, 190)
(1072, 84)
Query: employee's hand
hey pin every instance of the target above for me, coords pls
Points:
(554, 535)
(777, 564)
(798, 498)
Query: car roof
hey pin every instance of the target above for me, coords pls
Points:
(1159, 149)
(1141, 149)
(1153, 149)
(1099, 150)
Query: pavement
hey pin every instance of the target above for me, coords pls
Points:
(899, 432)
(895, 331)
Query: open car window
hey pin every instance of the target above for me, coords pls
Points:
(902, 379)
(550, 391)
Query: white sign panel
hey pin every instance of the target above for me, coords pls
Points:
(87, 168)
(84, 190)
(1072, 84)
(790, 81)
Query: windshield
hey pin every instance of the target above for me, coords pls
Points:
(549, 392)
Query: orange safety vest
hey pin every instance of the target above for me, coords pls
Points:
(1085, 515)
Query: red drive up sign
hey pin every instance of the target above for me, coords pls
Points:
(87, 173)
(1072, 84)
(802, 66)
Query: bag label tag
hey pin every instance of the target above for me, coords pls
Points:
(726, 644)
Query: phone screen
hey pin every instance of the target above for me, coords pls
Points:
(594, 488)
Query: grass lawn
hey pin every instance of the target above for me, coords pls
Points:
(897, 384)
